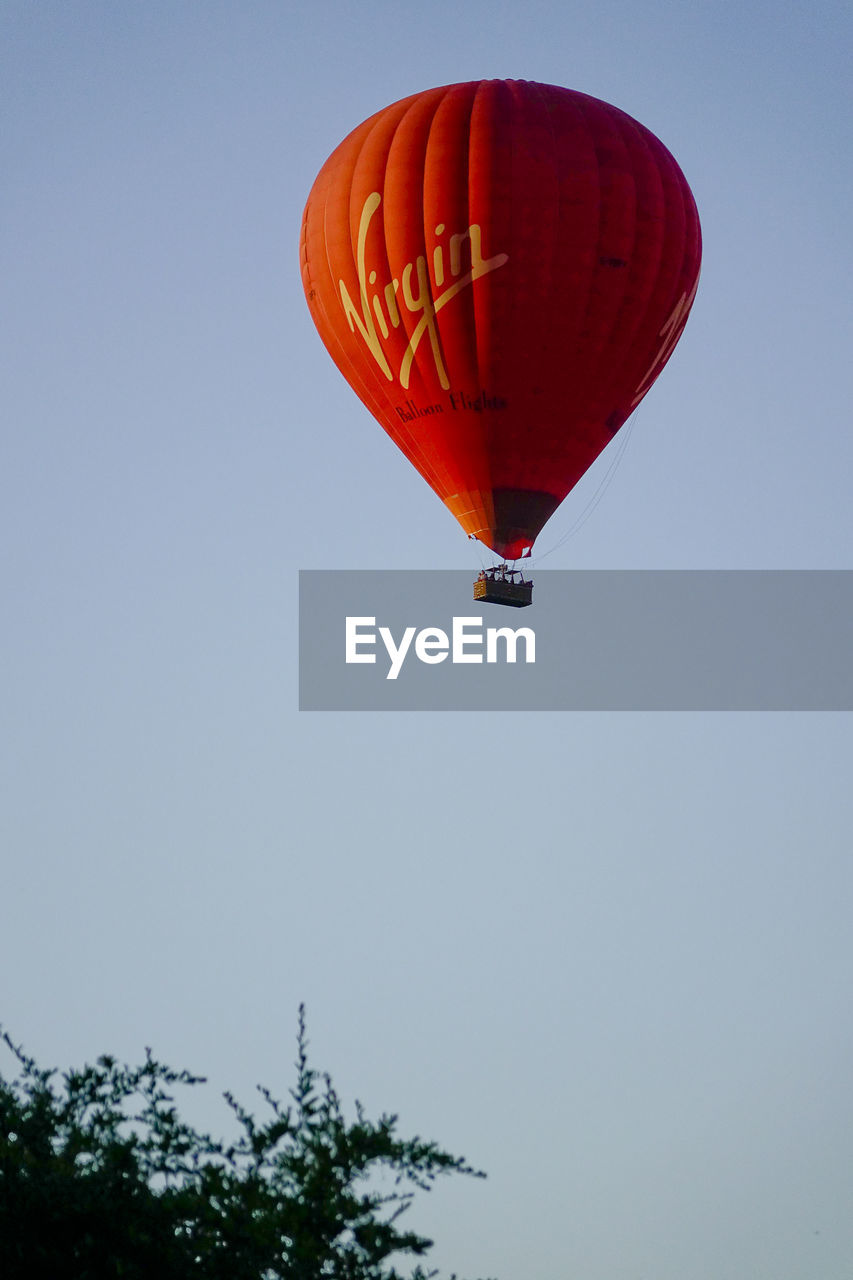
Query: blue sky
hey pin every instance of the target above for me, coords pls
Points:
(607, 957)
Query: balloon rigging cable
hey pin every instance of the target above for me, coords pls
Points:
(603, 486)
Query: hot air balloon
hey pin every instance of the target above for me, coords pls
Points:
(501, 269)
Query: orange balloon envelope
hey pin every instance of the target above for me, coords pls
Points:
(501, 269)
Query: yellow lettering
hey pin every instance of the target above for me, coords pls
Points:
(365, 318)
(670, 333)
(438, 264)
(380, 318)
(424, 303)
(364, 322)
(391, 302)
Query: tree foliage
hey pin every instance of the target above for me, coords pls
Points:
(100, 1177)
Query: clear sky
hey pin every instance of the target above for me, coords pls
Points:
(606, 957)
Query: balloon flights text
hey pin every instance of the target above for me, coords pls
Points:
(501, 270)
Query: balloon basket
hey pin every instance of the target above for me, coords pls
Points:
(502, 585)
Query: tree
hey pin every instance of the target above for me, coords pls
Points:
(101, 1178)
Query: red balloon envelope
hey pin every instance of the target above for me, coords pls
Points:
(501, 269)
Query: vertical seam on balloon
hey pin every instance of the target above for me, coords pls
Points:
(623, 129)
(557, 183)
(690, 230)
(539, 91)
(462, 299)
(405, 315)
(616, 120)
(584, 318)
(353, 376)
(688, 216)
(692, 215)
(365, 390)
(679, 184)
(445, 483)
(488, 474)
(633, 137)
(652, 148)
(468, 299)
(366, 394)
(586, 206)
(414, 449)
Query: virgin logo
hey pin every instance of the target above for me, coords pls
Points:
(670, 333)
(421, 291)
